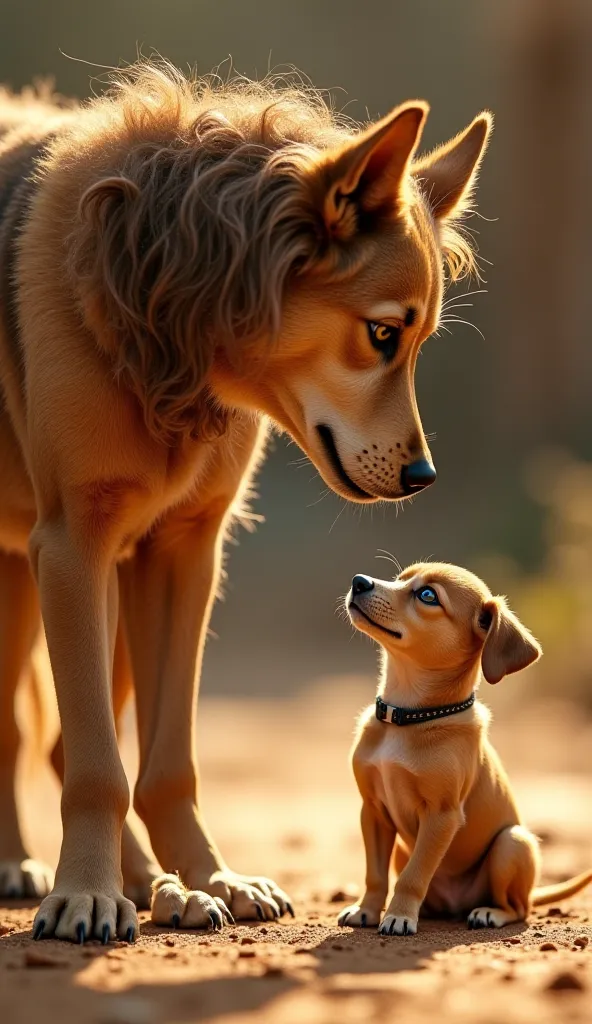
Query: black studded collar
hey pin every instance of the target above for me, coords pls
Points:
(414, 716)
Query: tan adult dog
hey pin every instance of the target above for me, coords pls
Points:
(179, 262)
(433, 787)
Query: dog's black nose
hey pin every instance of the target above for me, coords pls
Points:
(418, 475)
(362, 584)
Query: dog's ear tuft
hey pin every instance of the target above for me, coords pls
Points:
(365, 178)
(508, 645)
(448, 175)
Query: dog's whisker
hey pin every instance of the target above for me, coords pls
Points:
(341, 510)
(459, 320)
(463, 295)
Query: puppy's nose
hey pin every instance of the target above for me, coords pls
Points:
(418, 475)
(362, 584)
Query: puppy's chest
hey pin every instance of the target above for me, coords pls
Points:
(390, 774)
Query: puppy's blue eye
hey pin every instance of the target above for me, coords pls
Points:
(385, 338)
(427, 595)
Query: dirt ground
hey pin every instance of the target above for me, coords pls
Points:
(280, 800)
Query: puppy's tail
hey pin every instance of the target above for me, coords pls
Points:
(546, 894)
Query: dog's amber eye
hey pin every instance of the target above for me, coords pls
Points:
(427, 595)
(385, 338)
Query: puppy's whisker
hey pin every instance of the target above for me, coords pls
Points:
(389, 557)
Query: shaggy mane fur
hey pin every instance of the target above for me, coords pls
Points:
(186, 244)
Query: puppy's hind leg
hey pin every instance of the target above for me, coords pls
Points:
(19, 624)
(513, 866)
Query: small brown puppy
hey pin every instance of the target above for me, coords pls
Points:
(432, 786)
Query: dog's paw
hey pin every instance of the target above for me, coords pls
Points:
(489, 917)
(78, 916)
(358, 917)
(250, 898)
(393, 924)
(178, 907)
(25, 879)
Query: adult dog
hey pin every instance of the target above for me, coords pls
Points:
(180, 262)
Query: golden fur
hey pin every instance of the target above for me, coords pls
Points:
(179, 262)
(435, 796)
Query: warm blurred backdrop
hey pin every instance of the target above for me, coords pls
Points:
(510, 410)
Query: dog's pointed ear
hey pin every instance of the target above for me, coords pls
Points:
(448, 175)
(508, 645)
(366, 175)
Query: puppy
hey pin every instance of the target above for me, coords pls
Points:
(433, 787)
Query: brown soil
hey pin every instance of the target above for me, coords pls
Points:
(280, 799)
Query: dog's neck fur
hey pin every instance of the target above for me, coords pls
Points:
(405, 684)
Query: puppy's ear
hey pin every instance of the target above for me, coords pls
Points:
(508, 645)
(448, 175)
(365, 177)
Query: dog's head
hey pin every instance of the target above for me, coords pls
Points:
(443, 618)
(242, 249)
(340, 379)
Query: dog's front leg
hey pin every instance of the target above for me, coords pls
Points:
(435, 834)
(379, 838)
(168, 589)
(78, 589)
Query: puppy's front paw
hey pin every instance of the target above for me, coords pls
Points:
(489, 917)
(393, 924)
(178, 907)
(358, 916)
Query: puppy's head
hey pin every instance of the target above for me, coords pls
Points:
(441, 617)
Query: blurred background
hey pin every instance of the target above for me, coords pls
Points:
(509, 403)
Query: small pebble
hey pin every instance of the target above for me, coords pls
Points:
(247, 940)
(581, 941)
(35, 958)
(566, 982)
(350, 892)
(169, 942)
(547, 947)
(247, 953)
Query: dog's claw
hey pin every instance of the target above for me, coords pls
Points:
(216, 919)
(229, 917)
(363, 920)
(176, 920)
(106, 934)
(38, 930)
(130, 935)
(290, 909)
(260, 913)
(489, 921)
(81, 933)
